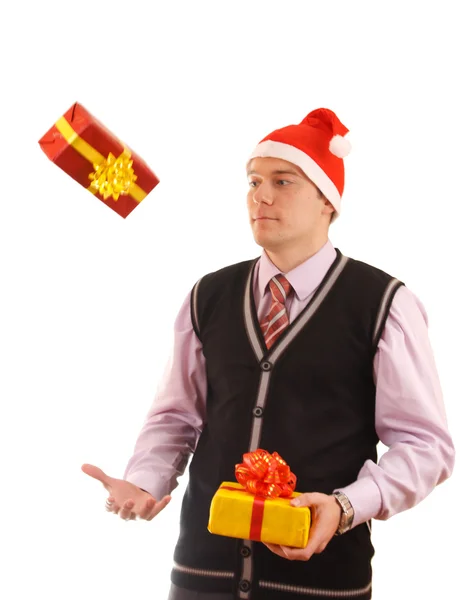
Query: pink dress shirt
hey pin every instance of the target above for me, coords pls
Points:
(410, 417)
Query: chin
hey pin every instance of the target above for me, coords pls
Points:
(266, 244)
(261, 240)
(265, 239)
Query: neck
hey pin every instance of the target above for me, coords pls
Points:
(287, 259)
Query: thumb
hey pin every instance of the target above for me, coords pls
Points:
(308, 499)
(96, 473)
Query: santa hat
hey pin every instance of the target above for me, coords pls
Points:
(317, 145)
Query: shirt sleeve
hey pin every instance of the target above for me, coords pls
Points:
(410, 419)
(175, 419)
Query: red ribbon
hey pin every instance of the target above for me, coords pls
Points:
(264, 475)
(257, 516)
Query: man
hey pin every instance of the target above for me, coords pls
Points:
(306, 353)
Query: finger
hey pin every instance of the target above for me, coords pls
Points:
(297, 553)
(126, 511)
(110, 504)
(147, 509)
(158, 507)
(276, 549)
(315, 547)
(96, 473)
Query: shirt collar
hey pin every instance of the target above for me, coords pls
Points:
(305, 278)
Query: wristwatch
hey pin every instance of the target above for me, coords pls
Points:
(347, 514)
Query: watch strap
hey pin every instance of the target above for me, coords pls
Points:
(347, 512)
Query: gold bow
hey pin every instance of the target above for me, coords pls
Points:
(114, 176)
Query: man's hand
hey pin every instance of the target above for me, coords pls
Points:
(125, 499)
(326, 514)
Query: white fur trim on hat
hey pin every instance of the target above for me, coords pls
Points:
(297, 157)
(340, 146)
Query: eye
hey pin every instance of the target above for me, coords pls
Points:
(283, 181)
(251, 183)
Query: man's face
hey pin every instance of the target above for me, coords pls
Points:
(285, 208)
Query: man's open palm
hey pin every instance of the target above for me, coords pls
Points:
(125, 499)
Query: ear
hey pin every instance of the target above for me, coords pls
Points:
(328, 208)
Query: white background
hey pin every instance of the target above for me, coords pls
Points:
(88, 299)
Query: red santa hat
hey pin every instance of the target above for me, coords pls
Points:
(317, 145)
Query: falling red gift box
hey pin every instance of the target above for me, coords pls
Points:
(94, 157)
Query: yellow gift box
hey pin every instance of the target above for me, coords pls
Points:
(258, 506)
(237, 513)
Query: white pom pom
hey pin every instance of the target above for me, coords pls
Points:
(340, 146)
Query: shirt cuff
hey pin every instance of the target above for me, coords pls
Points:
(158, 487)
(365, 498)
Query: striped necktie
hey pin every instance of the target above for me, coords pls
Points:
(277, 319)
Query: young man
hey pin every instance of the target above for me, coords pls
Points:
(306, 353)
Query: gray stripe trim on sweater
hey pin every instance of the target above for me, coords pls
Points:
(270, 357)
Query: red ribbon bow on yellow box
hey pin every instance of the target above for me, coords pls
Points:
(265, 474)
(258, 507)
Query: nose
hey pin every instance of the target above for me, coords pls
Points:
(261, 194)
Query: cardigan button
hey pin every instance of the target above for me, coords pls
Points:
(257, 412)
(245, 551)
(266, 365)
(244, 585)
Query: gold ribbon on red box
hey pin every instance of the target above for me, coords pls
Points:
(111, 176)
(98, 160)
